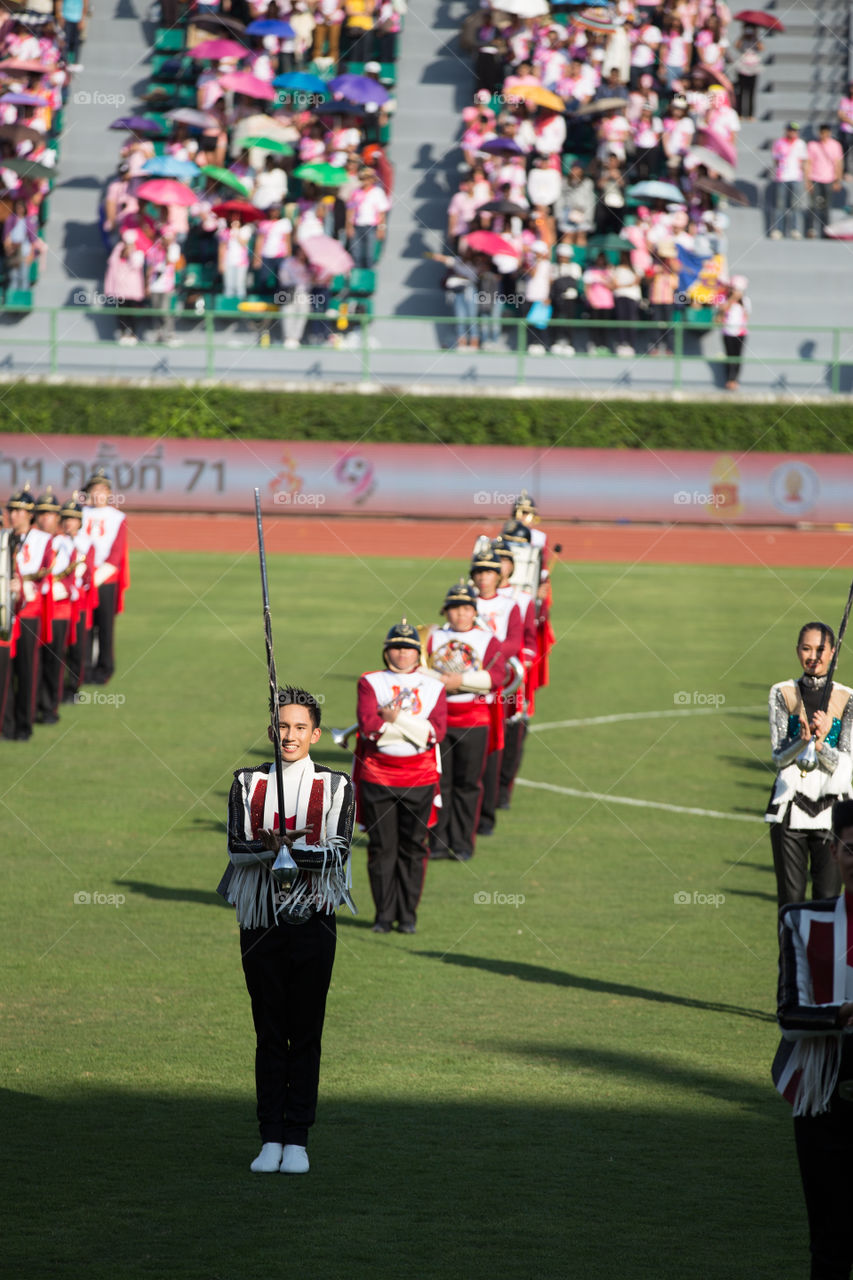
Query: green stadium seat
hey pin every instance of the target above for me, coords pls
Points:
(226, 305)
(19, 298)
(170, 40)
(362, 282)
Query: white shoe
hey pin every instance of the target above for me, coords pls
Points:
(294, 1159)
(591, 348)
(536, 350)
(796, 235)
(568, 349)
(292, 344)
(558, 348)
(775, 234)
(625, 351)
(269, 1159)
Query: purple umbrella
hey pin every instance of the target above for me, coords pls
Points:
(359, 89)
(137, 124)
(271, 27)
(23, 100)
(501, 147)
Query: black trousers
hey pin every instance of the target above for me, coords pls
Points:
(791, 853)
(489, 807)
(25, 672)
(103, 625)
(463, 762)
(396, 822)
(7, 723)
(745, 87)
(825, 1153)
(733, 344)
(288, 968)
(75, 661)
(52, 670)
(515, 731)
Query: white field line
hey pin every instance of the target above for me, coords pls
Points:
(637, 804)
(646, 715)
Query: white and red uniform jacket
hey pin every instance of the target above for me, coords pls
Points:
(402, 753)
(527, 608)
(106, 527)
(35, 555)
(478, 655)
(503, 618)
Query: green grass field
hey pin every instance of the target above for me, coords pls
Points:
(573, 1086)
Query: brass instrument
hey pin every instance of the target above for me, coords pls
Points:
(7, 611)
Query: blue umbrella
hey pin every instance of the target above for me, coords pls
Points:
(653, 189)
(170, 167)
(270, 27)
(300, 82)
(359, 89)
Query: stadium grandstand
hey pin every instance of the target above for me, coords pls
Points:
(307, 179)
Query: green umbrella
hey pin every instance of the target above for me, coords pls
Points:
(226, 178)
(325, 175)
(28, 168)
(268, 144)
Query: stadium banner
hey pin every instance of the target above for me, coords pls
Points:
(476, 481)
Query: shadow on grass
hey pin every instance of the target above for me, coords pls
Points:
(559, 978)
(119, 1183)
(168, 893)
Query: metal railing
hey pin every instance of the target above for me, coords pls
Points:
(47, 337)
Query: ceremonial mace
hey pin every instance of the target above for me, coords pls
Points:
(807, 759)
(274, 717)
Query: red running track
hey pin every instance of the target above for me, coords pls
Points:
(452, 539)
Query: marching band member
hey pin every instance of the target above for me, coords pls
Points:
(33, 554)
(800, 805)
(501, 615)
(83, 594)
(106, 526)
(52, 653)
(525, 512)
(813, 1068)
(8, 630)
(402, 719)
(286, 877)
(518, 705)
(470, 664)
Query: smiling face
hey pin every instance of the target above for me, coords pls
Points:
(298, 733)
(814, 653)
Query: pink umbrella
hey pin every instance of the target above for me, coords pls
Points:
(714, 142)
(329, 254)
(167, 191)
(245, 82)
(213, 50)
(490, 242)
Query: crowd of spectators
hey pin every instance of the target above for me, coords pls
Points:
(37, 57)
(600, 158)
(257, 182)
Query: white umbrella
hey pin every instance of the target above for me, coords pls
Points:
(525, 8)
(710, 159)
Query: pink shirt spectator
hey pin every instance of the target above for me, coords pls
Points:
(790, 156)
(824, 159)
(845, 113)
(597, 289)
(369, 204)
(461, 211)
